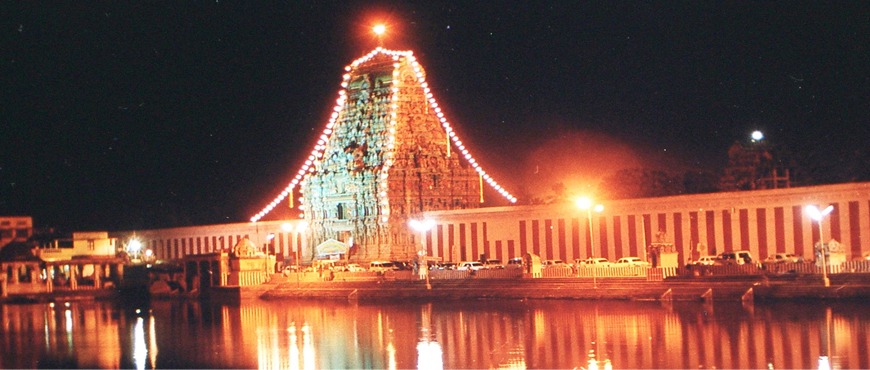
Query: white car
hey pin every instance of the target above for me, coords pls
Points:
(354, 267)
(382, 266)
(470, 266)
(596, 262)
(734, 258)
(781, 258)
(705, 261)
(631, 261)
(554, 263)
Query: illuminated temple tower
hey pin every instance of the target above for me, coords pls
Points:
(387, 155)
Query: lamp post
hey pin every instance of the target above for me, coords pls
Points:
(422, 227)
(585, 203)
(301, 228)
(270, 246)
(818, 216)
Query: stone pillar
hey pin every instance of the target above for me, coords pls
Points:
(49, 282)
(98, 273)
(73, 282)
(15, 268)
(119, 274)
(34, 274)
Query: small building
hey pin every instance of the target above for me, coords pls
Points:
(82, 244)
(88, 261)
(244, 266)
(15, 229)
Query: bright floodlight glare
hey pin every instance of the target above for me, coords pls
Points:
(757, 135)
(424, 225)
(379, 29)
(598, 208)
(302, 226)
(816, 214)
(584, 202)
(135, 245)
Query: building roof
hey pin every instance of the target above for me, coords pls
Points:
(18, 252)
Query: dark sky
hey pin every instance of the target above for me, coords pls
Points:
(136, 115)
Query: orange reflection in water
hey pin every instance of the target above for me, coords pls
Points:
(560, 334)
(477, 334)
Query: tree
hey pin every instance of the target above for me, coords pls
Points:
(700, 181)
(641, 183)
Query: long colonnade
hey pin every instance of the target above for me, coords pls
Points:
(763, 222)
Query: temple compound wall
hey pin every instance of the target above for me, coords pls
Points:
(763, 222)
(287, 240)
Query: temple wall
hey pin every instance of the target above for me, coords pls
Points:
(289, 239)
(763, 222)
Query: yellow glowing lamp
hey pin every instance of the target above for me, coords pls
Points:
(379, 29)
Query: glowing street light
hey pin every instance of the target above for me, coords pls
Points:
(270, 239)
(585, 203)
(422, 227)
(134, 246)
(818, 216)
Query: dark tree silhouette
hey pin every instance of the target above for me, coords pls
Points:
(641, 183)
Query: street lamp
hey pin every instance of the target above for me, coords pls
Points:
(819, 215)
(585, 203)
(422, 227)
(301, 228)
(134, 248)
(270, 246)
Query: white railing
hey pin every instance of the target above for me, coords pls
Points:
(622, 271)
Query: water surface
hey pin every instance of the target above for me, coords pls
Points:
(474, 334)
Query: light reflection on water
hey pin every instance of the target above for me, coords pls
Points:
(482, 334)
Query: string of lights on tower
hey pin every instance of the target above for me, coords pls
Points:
(317, 152)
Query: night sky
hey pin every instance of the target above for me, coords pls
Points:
(138, 115)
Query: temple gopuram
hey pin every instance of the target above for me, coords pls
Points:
(387, 159)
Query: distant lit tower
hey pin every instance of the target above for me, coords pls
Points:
(386, 155)
(755, 165)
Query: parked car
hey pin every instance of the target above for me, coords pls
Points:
(705, 261)
(781, 258)
(734, 258)
(470, 266)
(554, 263)
(382, 266)
(354, 267)
(445, 266)
(631, 261)
(493, 264)
(288, 269)
(595, 262)
(515, 262)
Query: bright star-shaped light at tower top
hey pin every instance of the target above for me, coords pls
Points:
(379, 30)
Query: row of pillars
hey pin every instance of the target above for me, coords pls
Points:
(70, 274)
